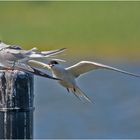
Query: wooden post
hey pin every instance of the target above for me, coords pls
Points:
(16, 105)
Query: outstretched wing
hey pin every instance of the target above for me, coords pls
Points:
(37, 64)
(29, 69)
(53, 52)
(45, 54)
(86, 66)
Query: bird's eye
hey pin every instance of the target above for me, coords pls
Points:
(56, 62)
(53, 62)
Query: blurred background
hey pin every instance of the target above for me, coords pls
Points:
(105, 32)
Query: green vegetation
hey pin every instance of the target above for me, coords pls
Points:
(107, 29)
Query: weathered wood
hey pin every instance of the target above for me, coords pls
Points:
(16, 105)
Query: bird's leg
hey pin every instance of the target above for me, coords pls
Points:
(68, 89)
(74, 89)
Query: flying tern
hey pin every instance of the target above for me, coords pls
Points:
(68, 75)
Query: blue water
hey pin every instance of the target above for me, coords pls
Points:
(114, 114)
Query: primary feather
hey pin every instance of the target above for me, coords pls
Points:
(86, 66)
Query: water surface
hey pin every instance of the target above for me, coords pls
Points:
(114, 114)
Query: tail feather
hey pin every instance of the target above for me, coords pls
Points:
(81, 95)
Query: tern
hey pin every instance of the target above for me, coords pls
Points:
(14, 57)
(68, 75)
(10, 54)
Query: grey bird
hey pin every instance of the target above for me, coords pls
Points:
(10, 54)
(14, 57)
(68, 75)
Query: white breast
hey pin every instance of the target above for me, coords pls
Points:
(67, 79)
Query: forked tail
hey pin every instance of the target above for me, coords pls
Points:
(81, 95)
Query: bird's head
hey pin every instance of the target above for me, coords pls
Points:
(53, 63)
(15, 47)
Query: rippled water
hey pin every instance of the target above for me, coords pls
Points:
(114, 114)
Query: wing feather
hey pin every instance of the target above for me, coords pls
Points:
(37, 64)
(53, 52)
(86, 66)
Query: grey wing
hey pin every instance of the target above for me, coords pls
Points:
(13, 51)
(45, 54)
(21, 54)
(15, 47)
(86, 66)
(37, 64)
(18, 54)
(29, 69)
(53, 52)
(10, 55)
(23, 66)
